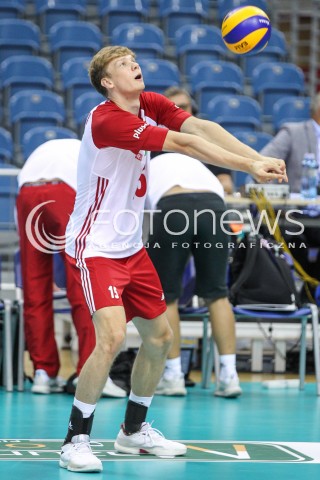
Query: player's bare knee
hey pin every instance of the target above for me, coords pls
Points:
(163, 342)
(111, 344)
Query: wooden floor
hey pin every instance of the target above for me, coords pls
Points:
(263, 434)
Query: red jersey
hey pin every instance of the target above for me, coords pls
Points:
(112, 175)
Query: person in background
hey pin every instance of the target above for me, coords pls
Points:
(104, 243)
(292, 141)
(182, 98)
(180, 187)
(47, 188)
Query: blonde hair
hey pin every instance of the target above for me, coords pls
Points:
(99, 63)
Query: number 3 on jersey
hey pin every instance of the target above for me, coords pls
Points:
(113, 292)
(142, 188)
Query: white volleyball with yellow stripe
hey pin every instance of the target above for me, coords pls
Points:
(246, 30)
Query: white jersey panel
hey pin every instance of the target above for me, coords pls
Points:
(172, 169)
(53, 159)
(113, 176)
(107, 218)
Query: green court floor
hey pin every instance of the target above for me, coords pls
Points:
(263, 434)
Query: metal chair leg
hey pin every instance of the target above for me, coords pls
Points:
(213, 361)
(204, 353)
(303, 352)
(316, 350)
(8, 349)
(209, 364)
(20, 380)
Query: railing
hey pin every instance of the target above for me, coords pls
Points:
(299, 20)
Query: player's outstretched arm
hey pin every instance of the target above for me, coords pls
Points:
(263, 170)
(214, 133)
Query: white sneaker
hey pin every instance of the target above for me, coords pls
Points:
(109, 390)
(148, 440)
(174, 386)
(77, 456)
(42, 383)
(112, 390)
(228, 389)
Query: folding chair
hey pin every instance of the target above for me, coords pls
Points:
(116, 12)
(51, 12)
(70, 39)
(235, 112)
(290, 109)
(174, 14)
(25, 71)
(306, 313)
(146, 40)
(272, 81)
(210, 79)
(18, 37)
(34, 137)
(159, 74)
(196, 43)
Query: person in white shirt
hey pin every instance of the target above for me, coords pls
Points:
(184, 100)
(47, 188)
(104, 242)
(187, 201)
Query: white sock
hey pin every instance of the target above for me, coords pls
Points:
(228, 366)
(146, 401)
(85, 408)
(41, 372)
(173, 368)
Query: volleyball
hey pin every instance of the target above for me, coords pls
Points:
(246, 30)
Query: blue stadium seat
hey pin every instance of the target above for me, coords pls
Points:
(290, 109)
(116, 12)
(33, 108)
(8, 193)
(159, 74)
(38, 135)
(235, 112)
(212, 78)
(146, 40)
(273, 80)
(50, 12)
(18, 37)
(224, 6)
(82, 106)
(195, 43)
(255, 140)
(70, 39)
(275, 51)
(25, 71)
(75, 79)
(176, 13)
(12, 8)
(6, 146)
